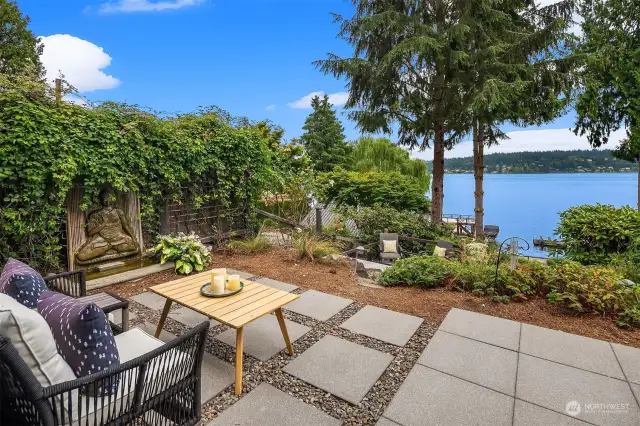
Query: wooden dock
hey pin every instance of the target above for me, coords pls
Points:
(464, 224)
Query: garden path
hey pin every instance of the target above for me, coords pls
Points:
(357, 364)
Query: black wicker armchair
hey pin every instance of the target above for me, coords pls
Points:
(72, 283)
(161, 387)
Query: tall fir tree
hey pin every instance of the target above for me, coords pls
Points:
(520, 69)
(323, 136)
(611, 82)
(20, 49)
(403, 74)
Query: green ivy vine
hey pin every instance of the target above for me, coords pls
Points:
(46, 147)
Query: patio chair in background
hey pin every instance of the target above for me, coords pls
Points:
(389, 248)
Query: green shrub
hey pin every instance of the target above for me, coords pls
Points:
(338, 226)
(186, 250)
(593, 233)
(371, 221)
(256, 244)
(589, 288)
(370, 188)
(630, 317)
(310, 245)
(422, 271)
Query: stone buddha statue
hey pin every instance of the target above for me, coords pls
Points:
(109, 234)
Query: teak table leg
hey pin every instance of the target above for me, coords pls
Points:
(283, 328)
(239, 350)
(163, 317)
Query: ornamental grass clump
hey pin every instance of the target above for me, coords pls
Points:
(310, 246)
(252, 245)
(186, 250)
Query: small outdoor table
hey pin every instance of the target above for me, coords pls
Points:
(109, 302)
(254, 301)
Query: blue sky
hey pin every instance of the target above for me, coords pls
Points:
(252, 58)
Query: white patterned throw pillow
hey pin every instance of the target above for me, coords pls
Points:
(29, 333)
(390, 246)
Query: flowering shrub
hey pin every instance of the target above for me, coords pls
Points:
(186, 250)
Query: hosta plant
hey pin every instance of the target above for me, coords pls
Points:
(186, 250)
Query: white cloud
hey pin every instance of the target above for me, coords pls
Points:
(336, 99)
(80, 61)
(528, 140)
(271, 108)
(145, 5)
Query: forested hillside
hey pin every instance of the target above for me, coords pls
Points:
(580, 161)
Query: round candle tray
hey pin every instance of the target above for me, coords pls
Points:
(205, 290)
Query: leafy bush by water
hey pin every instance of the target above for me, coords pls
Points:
(593, 233)
(370, 188)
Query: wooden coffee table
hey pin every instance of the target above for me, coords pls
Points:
(254, 301)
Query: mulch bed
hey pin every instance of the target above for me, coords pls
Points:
(432, 305)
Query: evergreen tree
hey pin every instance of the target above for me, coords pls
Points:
(324, 138)
(20, 50)
(520, 69)
(611, 95)
(629, 150)
(405, 73)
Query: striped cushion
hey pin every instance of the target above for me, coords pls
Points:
(22, 283)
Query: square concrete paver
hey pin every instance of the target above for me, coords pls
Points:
(636, 389)
(263, 337)
(268, 406)
(216, 376)
(577, 351)
(386, 422)
(150, 300)
(629, 360)
(383, 324)
(243, 275)
(477, 362)
(345, 369)
(526, 414)
(553, 386)
(190, 317)
(276, 284)
(428, 397)
(485, 328)
(318, 305)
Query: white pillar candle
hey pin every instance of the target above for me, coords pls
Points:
(218, 284)
(218, 272)
(234, 282)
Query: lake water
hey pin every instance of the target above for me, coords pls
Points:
(528, 205)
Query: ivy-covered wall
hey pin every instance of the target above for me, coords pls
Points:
(46, 147)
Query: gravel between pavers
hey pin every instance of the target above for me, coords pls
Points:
(256, 372)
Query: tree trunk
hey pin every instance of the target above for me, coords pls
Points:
(437, 178)
(478, 174)
(437, 181)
